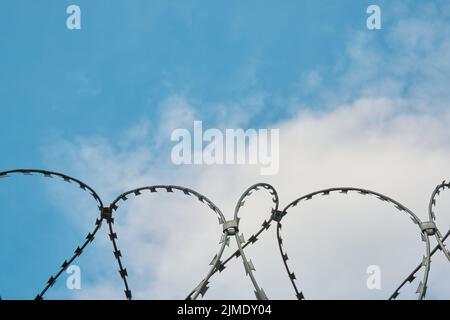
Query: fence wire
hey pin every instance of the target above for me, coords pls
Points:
(426, 229)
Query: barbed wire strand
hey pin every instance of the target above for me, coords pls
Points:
(89, 238)
(240, 240)
(440, 239)
(203, 286)
(231, 228)
(346, 190)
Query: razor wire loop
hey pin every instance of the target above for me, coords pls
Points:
(432, 204)
(231, 227)
(240, 240)
(425, 229)
(203, 285)
(89, 238)
(435, 231)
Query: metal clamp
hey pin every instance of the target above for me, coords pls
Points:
(277, 215)
(429, 227)
(106, 213)
(231, 227)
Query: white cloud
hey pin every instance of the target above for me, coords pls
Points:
(375, 144)
(391, 137)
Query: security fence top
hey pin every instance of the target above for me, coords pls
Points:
(231, 229)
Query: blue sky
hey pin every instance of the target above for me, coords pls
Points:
(67, 94)
(130, 56)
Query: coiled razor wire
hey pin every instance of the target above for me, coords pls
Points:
(231, 228)
(91, 235)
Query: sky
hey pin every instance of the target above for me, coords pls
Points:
(355, 107)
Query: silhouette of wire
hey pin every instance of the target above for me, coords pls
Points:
(231, 228)
(346, 190)
(89, 238)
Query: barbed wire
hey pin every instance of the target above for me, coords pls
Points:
(91, 235)
(346, 190)
(231, 229)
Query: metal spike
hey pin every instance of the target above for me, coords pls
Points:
(241, 238)
(51, 281)
(204, 289)
(225, 239)
(213, 261)
(300, 296)
(424, 261)
(424, 237)
(260, 294)
(433, 216)
(421, 289)
(395, 295)
(220, 266)
(117, 254)
(64, 265)
(123, 273)
(90, 237)
(249, 267)
(78, 251)
(411, 278)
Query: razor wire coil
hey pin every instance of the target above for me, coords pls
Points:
(231, 229)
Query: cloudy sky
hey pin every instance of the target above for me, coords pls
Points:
(355, 107)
